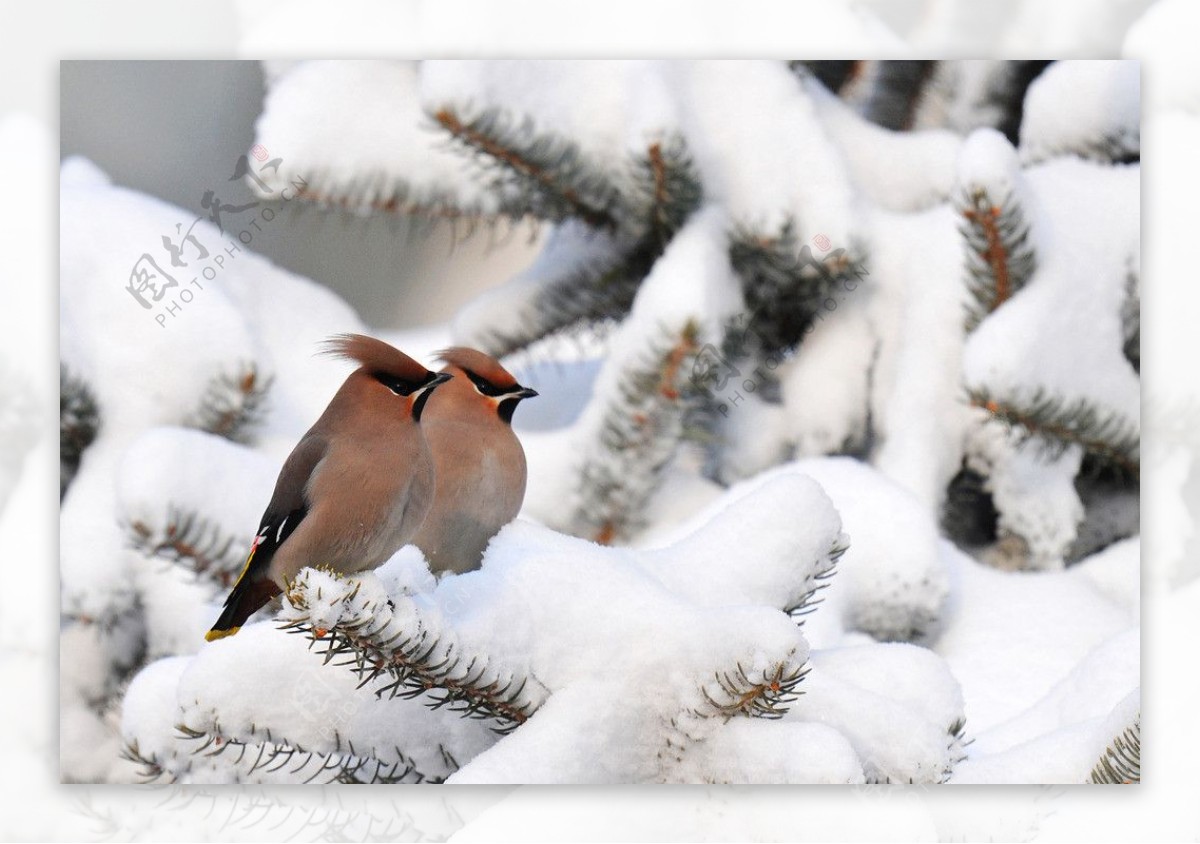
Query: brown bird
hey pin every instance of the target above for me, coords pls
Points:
(356, 487)
(479, 461)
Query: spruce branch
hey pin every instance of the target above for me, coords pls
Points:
(766, 693)
(834, 75)
(1114, 147)
(260, 757)
(1056, 424)
(535, 173)
(78, 424)
(400, 201)
(586, 297)
(663, 189)
(956, 746)
(189, 540)
(765, 696)
(1121, 763)
(1131, 318)
(405, 654)
(818, 579)
(956, 751)
(233, 404)
(150, 768)
(785, 287)
(1000, 257)
(890, 91)
(639, 435)
(965, 95)
(112, 621)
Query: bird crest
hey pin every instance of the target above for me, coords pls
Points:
(375, 356)
(472, 360)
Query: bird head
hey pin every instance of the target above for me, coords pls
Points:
(384, 366)
(490, 382)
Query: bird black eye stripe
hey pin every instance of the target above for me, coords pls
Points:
(483, 385)
(397, 385)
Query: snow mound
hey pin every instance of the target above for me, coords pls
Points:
(1087, 108)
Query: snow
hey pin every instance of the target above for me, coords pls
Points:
(755, 752)
(707, 565)
(588, 613)
(168, 470)
(611, 709)
(987, 161)
(916, 398)
(628, 101)
(1034, 493)
(1037, 626)
(1062, 737)
(529, 569)
(321, 710)
(1088, 230)
(1097, 684)
(112, 597)
(1073, 104)
(755, 434)
(354, 131)
(570, 248)
(732, 106)
(895, 703)
(892, 582)
(835, 365)
(902, 171)
(690, 289)
(1115, 569)
(525, 567)
(1086, 246)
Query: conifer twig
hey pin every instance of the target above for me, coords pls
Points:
(553, 178)
(193, 542)
(405, 652)
(1056, 424)
(818, 579)
(79, 423)
(1121, 763)
(233, 404)
(1000, 258)
(661, 191)
(785, 286)
(639, 434)
(766, 696)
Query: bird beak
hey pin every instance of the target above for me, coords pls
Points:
(439, 378)
(525, 393)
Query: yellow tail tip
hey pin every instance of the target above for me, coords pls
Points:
(213, 635)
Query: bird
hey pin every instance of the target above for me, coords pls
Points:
(355, 488)
(478, 460)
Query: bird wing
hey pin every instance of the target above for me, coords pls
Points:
(289, 505)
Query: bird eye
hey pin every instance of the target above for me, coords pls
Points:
(484, 386)
(397, 385)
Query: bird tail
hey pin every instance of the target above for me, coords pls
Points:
(248, 595)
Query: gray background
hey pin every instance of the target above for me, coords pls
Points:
(175, 129)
